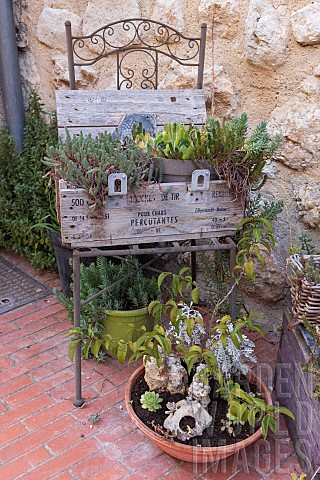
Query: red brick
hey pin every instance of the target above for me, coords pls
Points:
(104, 368)
(11, 433)
(24, 395)
(42, 314)
(184, 471)
(5, 363)
(101, 404)
(24, 463)
(31, 328)
(290, 465)
(9, 349)
(32, 440)
(115, 472)
(61, 350)
(156, 468)
(47, 302)
(48, 343)
(146, 452)
(248, 473)
(17, 313)
(64, 461)
(116, 431)
(15, 385)
(270, 453)
(220, 470)
(25, 410)
(54, 333)
(123, 375)
(50, 368)
(89, 467)
(8, 328)
(69, 438)
(64, 476)
(3, 407)
(31, 364)
(48, 415)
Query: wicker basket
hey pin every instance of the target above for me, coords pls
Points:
(305, 295)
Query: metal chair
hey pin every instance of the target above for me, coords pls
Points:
(150, 38)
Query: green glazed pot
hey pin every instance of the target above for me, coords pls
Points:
(118, 324)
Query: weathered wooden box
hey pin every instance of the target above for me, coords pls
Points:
(155, 213)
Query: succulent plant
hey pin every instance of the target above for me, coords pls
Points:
(86, 162)
(151, 401)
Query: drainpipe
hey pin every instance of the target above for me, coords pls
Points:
(10, 74)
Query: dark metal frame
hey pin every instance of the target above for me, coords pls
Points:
(168, 40)
(94, 252)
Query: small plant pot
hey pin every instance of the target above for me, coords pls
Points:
(120, 324)
(188, 453)
(175, 170)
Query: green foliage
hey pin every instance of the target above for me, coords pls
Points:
(240, 159)
(151, 401)
(248, 408)
(256, 238)
(94, 418)
(215, 267)
(87, 162)
(24, 195)
(175, 141)
(268, 210)
(307, 245)
(134, 292)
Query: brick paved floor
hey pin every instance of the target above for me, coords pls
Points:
(43, 436)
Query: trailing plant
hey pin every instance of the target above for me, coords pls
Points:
(24, 195)
(223, 334)
(151, 401)
(86, 162)
(239, 159)
(215, 267)
(134, 292)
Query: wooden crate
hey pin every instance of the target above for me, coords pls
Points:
(93, 111)
(156, 213)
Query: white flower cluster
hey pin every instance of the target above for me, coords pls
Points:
(198, 332)
(230, 358)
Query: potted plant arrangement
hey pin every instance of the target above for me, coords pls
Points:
(194, 396)
(118, 314)
(225, 148)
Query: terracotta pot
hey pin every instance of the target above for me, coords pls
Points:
(190, 453)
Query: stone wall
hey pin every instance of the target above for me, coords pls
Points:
(266, 62)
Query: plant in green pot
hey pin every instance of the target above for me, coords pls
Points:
(118, 315)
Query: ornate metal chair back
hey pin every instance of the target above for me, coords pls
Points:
(149, 39)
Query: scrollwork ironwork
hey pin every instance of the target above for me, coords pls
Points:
(136, 34)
